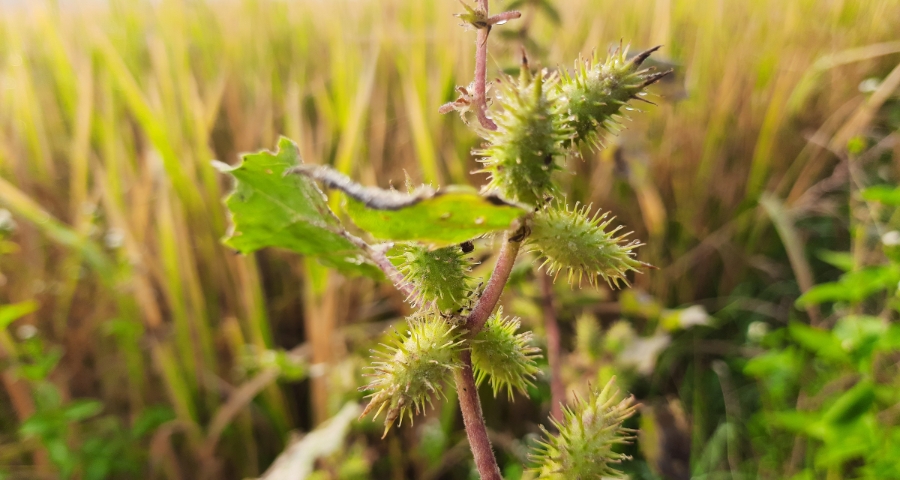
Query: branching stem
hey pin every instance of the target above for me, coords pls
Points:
(469, 402)
(378, 257)
(485, 305)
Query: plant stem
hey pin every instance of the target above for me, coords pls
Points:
(480, 98)
(557, 389)
(469, 402)
(473, 419)
(484, 307)
(481, 45)
(377, 255)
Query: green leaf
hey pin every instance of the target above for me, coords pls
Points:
(882, 193)
(270, 209)
(798, 422)
(15, 311)
(821, 342)
(150, 419)
(852, 404)
(82, 409)
(853, 287)
(442, 217)
(841, 260)
(860, 333)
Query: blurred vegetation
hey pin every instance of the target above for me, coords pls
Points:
(134, 345)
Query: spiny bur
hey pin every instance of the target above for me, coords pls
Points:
(440, 276)
(575, 241)
(413, 368)
(504, 356)
(531, 129)
(596, 92)
(588, 434)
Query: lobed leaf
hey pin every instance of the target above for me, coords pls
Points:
(269, 209)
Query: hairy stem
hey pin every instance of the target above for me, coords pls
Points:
(396, 277)
(476, 431)
(480, 98)
(469, 402)
(557, 389)
(378, 257)
(484, 307)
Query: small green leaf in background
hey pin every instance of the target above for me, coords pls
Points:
(853, 287)
(882, 193)
(841, 260)
(852, 404)
(11, 313)
(82, 409)
(270, 209)
(821, 342)
(779, 370)
(450, 215)
(860, 334)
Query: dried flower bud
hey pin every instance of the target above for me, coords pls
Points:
(413, 369)
(588, 433)
(503, 355)
(576, 241)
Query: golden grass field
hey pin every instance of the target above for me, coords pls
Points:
(110, 116)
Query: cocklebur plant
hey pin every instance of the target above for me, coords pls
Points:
(421, 241)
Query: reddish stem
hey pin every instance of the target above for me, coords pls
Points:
(557, 389)
(473, 419)
(480, 97)
(484, 307)
(394, 275)
(469, 402)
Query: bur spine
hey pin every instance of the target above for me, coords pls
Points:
(413, 368)
(588, 434)
(505, 357)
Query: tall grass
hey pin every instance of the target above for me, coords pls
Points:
(110, 115)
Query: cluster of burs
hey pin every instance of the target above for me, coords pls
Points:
(541, 118)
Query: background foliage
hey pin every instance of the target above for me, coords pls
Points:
(133, 344)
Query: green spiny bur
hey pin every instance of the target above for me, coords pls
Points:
(575, 241)
(413, 368)
(588, 433)
(440, 276)
(531, 130)
(503, 355)
(596, 92)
